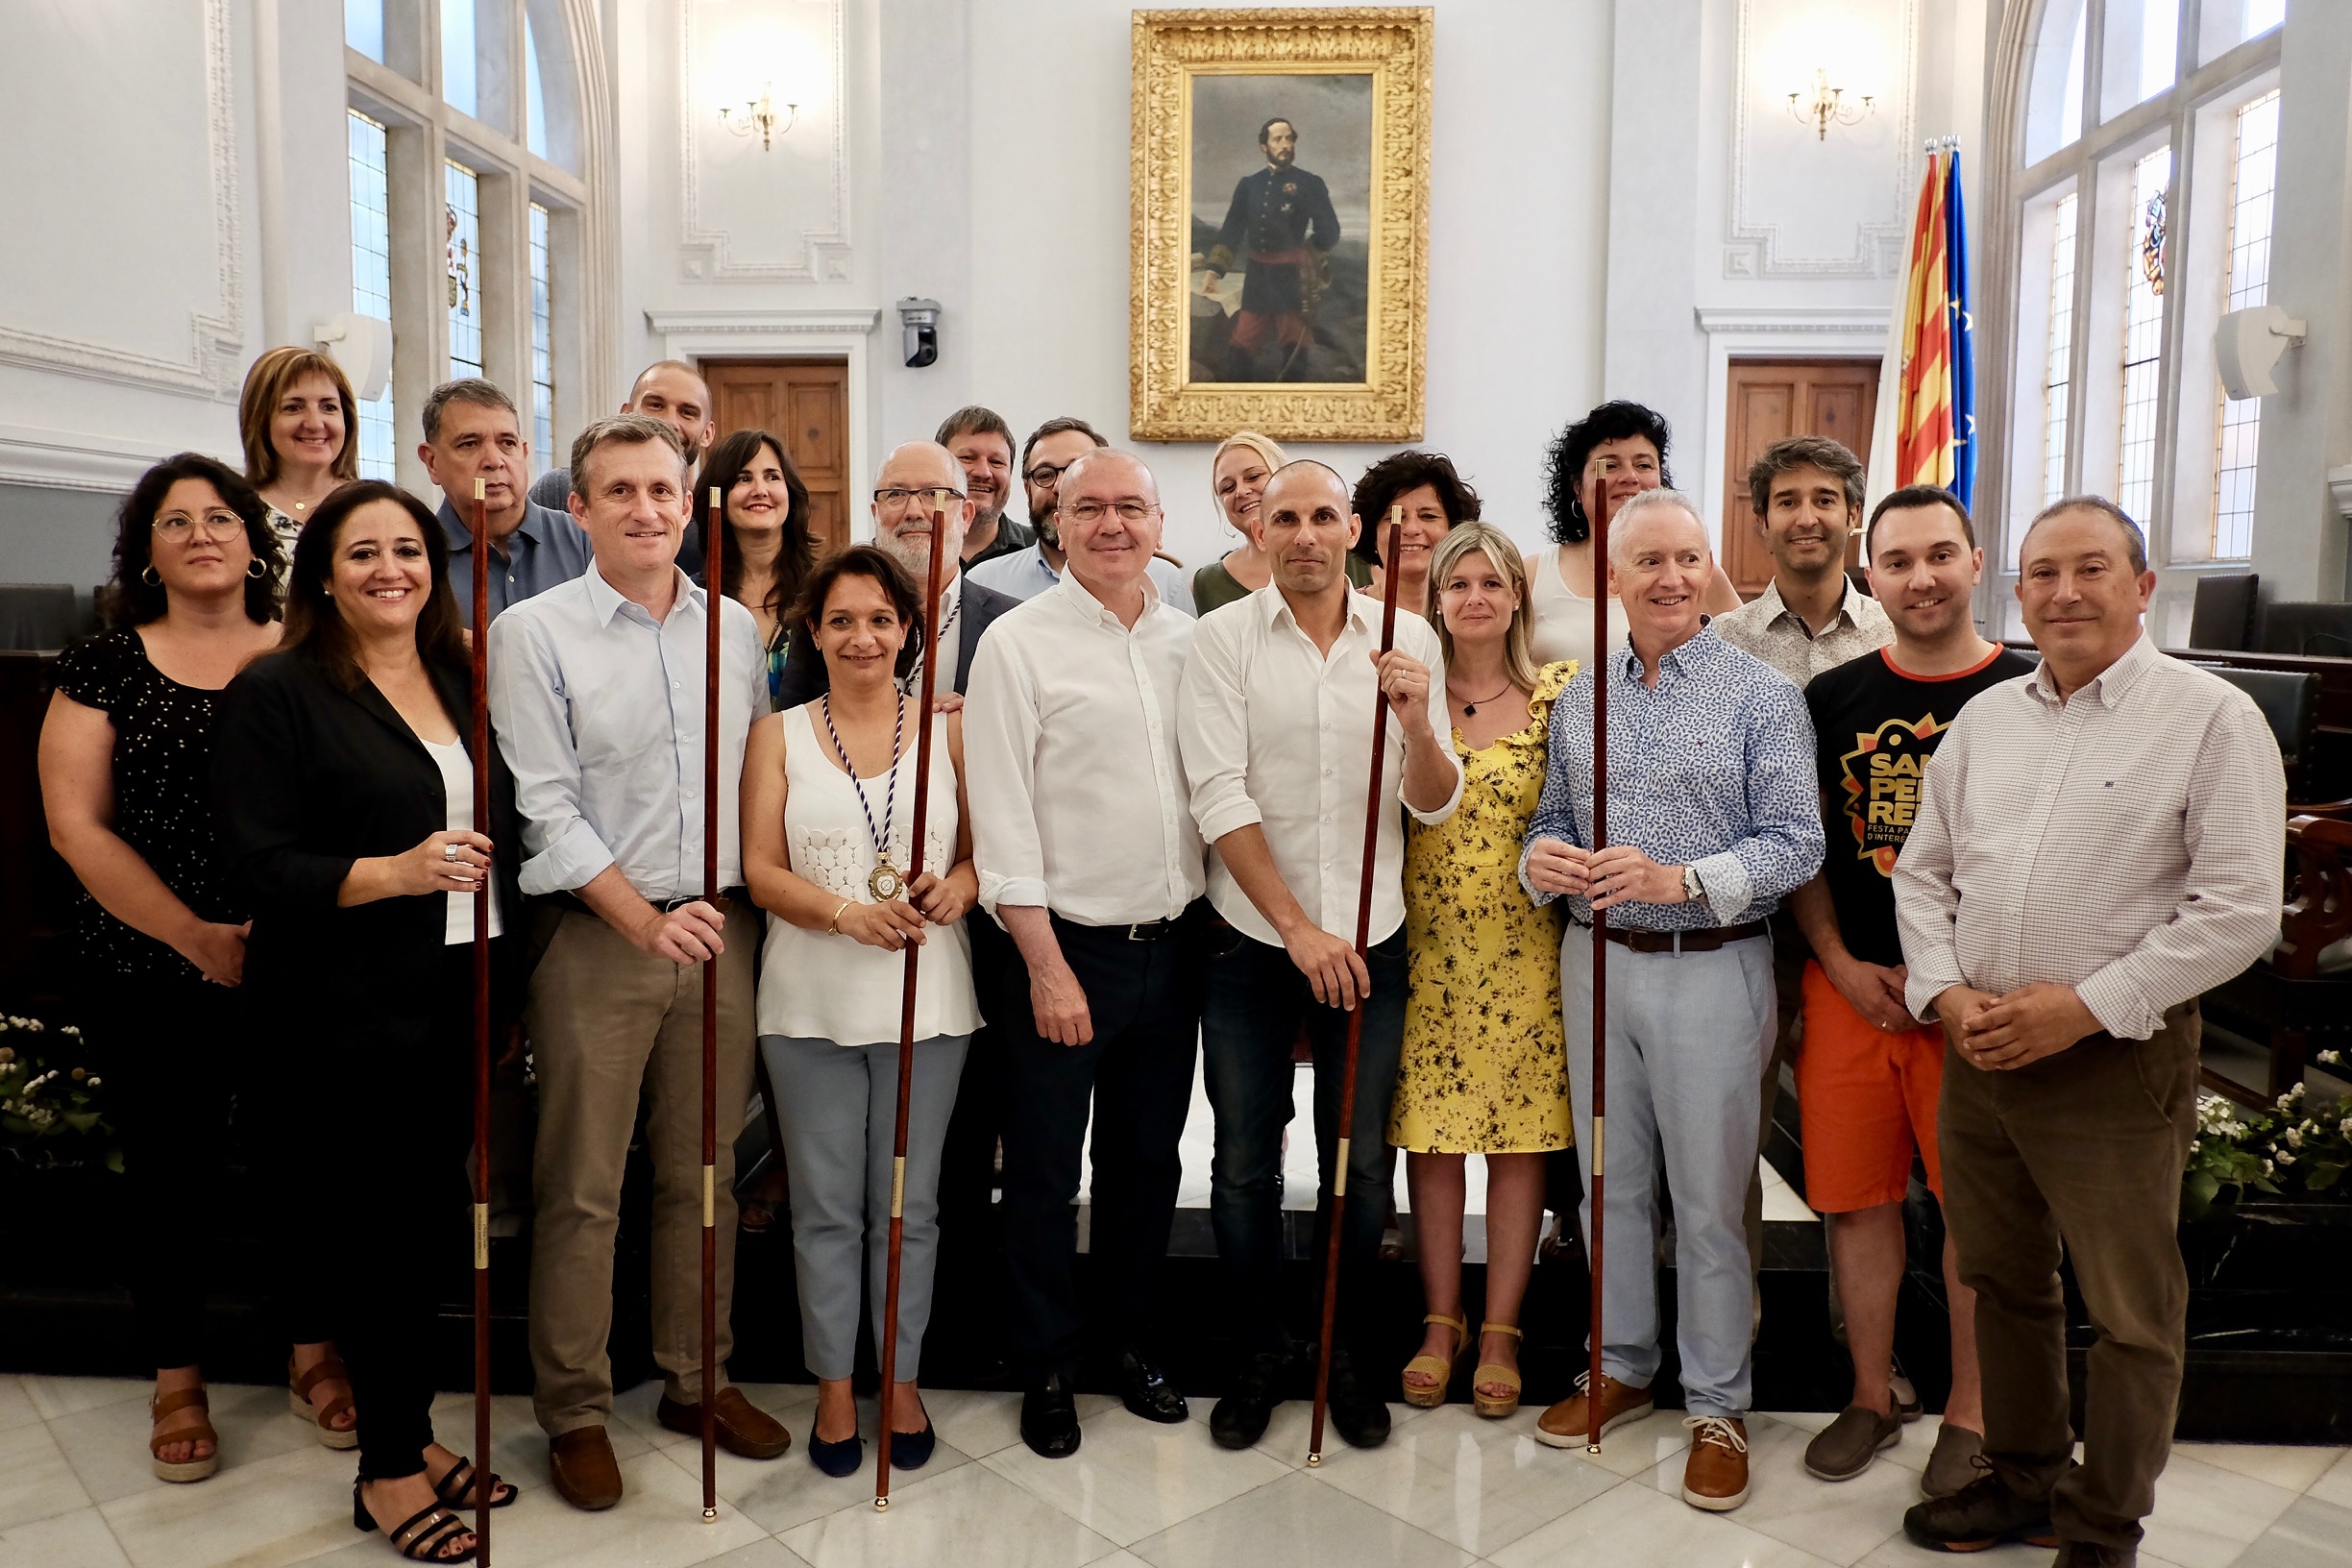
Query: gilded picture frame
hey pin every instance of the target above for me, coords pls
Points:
(1266, 296)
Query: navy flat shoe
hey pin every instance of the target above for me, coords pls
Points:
(911, 1450)
(838, 1460)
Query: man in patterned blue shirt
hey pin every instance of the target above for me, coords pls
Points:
(1714, 817)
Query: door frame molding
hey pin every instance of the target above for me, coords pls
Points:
(1776, 332)
(694, 336)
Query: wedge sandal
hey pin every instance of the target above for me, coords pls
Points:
(1495, 1409)
(298, 1401)
(1430, 1396)
(186, 1470)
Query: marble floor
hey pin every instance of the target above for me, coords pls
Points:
(1448, 1490)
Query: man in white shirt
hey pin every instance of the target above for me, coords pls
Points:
(1029, 570)
(2096, 846)
(597, 695)
(1089, 856)
(1279, 699)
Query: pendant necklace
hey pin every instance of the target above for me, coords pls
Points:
(914, 676)
(885, 882)
(1469, 708)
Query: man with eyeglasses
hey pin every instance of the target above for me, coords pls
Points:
(1089, 855)
(1052, 448)
(914, 479)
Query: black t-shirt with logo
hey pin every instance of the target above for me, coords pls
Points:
(1875, 726)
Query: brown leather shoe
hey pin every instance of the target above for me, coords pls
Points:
(585, 1472)
(742, 1428)
(1564, 1425)
(1715, 1477)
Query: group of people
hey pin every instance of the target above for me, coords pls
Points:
(1843, 828)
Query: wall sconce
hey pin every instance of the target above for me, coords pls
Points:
(1824, 106)
(761, 116)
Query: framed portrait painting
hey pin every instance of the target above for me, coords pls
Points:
(1280, 238)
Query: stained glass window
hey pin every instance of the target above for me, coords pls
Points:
(543, 339)
(463, 219)
(371, 277)
(2143, 334)
(2255, 177)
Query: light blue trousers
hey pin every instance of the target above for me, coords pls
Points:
(838, 1108)
(1688, 1037)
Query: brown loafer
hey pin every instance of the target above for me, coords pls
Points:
(582, 1465)
(742, 1428)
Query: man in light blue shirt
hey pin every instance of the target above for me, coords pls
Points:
(597, 693)
(472, 431)
(1714, 817)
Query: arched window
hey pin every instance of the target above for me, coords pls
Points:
(2134, 204)
(471, 191)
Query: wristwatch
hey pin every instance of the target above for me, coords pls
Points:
(1694, 891)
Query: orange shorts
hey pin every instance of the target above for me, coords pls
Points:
(1866, 1098)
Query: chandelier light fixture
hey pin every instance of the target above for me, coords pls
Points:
(760, 115)
(1823, 106)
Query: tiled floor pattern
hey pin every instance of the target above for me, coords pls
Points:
(1448, 1490)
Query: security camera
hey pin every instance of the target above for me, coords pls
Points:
(921, 318)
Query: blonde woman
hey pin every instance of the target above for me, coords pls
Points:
(1484, 1069)
(1237, 474)
(300, 435)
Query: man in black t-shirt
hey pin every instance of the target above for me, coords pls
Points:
(1868, 1075)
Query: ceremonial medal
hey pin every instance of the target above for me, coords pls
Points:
(886, 881)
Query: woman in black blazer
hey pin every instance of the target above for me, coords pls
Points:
(344, 792)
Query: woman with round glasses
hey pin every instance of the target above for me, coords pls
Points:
(125, 760)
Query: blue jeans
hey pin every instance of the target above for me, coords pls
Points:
(1688, 1037)
(1250, 1017)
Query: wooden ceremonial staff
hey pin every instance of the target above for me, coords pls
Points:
(481, 1026)
(1355, 1018)
(906, 1010)
(714, 525)
(1600, 941)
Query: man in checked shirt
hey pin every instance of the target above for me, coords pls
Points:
(2096, 844)
(1714, 817)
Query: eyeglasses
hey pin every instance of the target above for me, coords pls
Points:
(1091, 511)
(1045, 476)
(895, 499)
(176, 526)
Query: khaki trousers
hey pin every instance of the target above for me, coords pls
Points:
(609, 1022)
(2081, 1151)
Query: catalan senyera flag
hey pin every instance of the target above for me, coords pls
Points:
(1923, 447)
(1960, 335)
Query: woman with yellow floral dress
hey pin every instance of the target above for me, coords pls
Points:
(1485, 1067)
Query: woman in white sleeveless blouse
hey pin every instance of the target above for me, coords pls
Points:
(828, 801)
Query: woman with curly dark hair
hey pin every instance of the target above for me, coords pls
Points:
(1434, 498)
(125, 757)
(1623, 445)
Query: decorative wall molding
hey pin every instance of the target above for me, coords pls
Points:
(672, 323)
(2339, 491)
(216, 365)
(1794, 318)
(72, 461)
(1755, 250)
(709, 253)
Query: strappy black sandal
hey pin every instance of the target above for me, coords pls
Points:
(452, 1487)
(426, 1535)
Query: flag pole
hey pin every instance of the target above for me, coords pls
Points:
(1598, 513)
(480, 738)
(1355, 1018)
(906, 1010)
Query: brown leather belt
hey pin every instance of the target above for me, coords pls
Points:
(1704, 940)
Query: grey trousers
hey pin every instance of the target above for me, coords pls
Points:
(838, 1105)
(1688, 1037)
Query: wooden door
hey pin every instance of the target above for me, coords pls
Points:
(805, 403)
(1772, 400)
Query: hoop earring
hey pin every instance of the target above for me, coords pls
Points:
(151, 577)
(254, 568)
